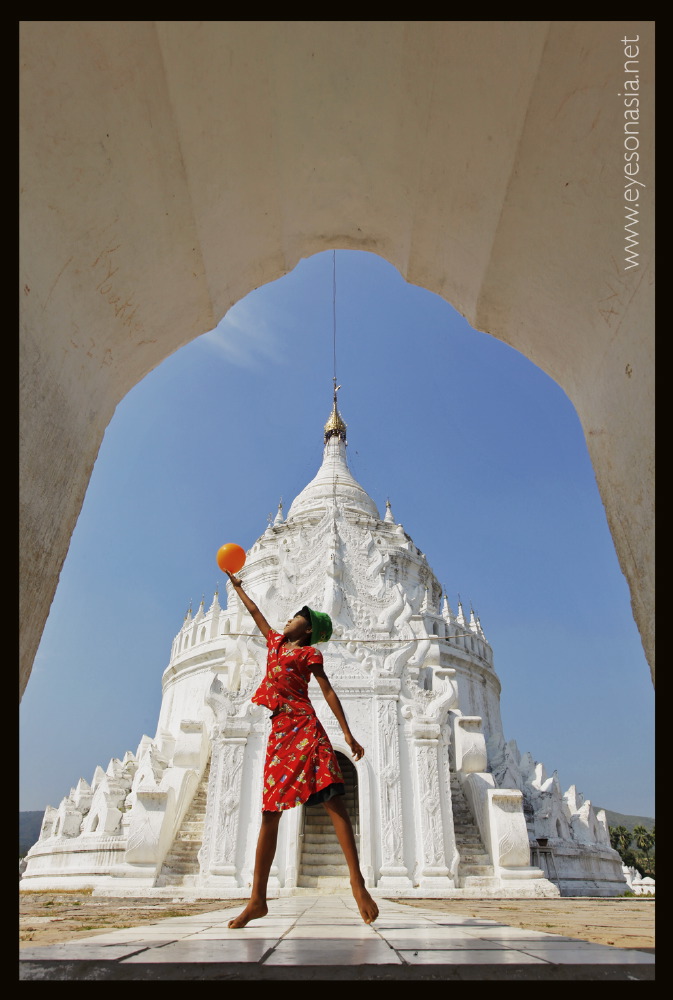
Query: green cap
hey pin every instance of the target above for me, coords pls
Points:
(321, 626)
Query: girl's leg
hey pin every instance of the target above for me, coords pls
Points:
(266, 848)
(343, 828)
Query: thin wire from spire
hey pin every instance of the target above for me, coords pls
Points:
(334, 368)
(334, 320)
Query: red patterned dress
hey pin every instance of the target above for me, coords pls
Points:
(300, 760)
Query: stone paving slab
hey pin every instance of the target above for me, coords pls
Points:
(324, 938)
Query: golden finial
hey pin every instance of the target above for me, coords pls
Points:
(335, 426)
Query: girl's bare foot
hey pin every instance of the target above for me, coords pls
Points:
(369, 911)
(251, 912)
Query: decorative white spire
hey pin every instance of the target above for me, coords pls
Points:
(447, 611)
(460, 617)
(279, 516)
(389, 513)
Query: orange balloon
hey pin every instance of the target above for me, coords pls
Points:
(230, 557)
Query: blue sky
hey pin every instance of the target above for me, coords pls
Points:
(481, 455)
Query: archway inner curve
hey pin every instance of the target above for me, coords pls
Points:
(224, 429)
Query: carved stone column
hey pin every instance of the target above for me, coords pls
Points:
(432, 869)
(394, 874)
(218, 855)
(425, 714)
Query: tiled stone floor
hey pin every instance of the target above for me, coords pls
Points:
(323, 937)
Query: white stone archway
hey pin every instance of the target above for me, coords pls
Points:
(170, 167)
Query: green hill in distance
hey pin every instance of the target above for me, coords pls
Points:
(29, 830)
(619, 819)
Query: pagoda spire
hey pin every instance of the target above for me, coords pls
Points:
(279, 516)
(447, 610)
(334, 483)
(335, 426)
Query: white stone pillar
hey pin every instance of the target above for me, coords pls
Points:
(433, 871)
(223, 809)
(293, 820)
(394, 874)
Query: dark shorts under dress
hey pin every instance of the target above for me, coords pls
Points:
(300, 767)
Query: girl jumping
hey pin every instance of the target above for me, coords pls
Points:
(300, 767)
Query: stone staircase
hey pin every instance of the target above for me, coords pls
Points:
(322, 864)
(181, 864)
(475, 870)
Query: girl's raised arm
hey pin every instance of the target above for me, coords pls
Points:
(257, 616)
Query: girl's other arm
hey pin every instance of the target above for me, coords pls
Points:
(332, 699)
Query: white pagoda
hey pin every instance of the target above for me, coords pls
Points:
(441, 804)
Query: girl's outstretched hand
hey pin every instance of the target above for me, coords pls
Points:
(234, 579)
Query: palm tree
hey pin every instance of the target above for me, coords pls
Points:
(645, 842)
(620, 840)
(644, 838)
